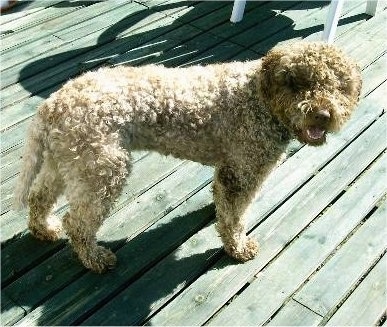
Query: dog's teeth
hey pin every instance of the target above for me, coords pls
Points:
(315, 133)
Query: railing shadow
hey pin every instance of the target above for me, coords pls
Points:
(45, 75)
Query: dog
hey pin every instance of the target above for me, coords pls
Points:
(238, 117)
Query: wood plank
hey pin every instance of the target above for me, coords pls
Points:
(66, 44)
(40, 17)
(294, 314)
(223, 280)
(114, 25)
(146, 173)
(107, 27)
(150, 52)
(34, 37)
(274, 284)
(367, 303)
(13, 138)
(25, 9)
(157, 286)
(361, 35)
(176, 56)
(160, 46)
(91, 290)
(42, 82)
(379, 95)
(10, 311)
(200, 10)
(7, 187)
(285, 18)
(252, 22)
(325, 290)
(308, 27)
(62, 259)
(148, 208)
(372, 73)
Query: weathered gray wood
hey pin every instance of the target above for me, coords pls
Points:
(157, 46)
(146, 173)
(372, 73)
(296, 263)
(153, 289)
(65, 45)
(309, 27)
(80, 295)
(325, 290)
(35, 36)
(252, 22)
(119, 228)
(220, 283)
(361, 35)
(379, 96)
(89, 290)
(95, 56)
(367, 303)
(121, 24)
(18, 12)
(10, 311)
(105, 28)
(294, 314)
(7, 187)
(38, 17)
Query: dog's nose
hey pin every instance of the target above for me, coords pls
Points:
(322, 115)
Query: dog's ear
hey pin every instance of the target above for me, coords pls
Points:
(273, 73)
(278, 72)
(351, 81)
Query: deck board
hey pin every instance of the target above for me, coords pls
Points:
(182, 276)
(367, 303)
(294, 314)
(329, 287)
(217, 285)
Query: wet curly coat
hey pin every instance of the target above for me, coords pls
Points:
(238, 117)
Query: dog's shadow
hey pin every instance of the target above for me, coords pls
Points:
(152, 267)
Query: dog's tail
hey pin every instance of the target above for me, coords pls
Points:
(32, 162)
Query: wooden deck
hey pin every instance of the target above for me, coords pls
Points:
(320, 219)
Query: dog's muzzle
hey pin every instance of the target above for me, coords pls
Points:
(315, 127)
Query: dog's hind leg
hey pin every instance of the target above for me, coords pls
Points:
(46, 188)
(233, 191)
(91, 193)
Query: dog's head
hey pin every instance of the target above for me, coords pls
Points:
(311, 88)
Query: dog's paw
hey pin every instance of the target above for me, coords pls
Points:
(99, 259)
(244, 252)
(51, 231)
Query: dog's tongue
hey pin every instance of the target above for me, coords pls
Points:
(315, 133)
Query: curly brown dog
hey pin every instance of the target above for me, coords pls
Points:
(238, 117)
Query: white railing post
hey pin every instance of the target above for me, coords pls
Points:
(371, 7)
(237, 11)
(332, 20)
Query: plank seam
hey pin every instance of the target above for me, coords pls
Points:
(348, 294)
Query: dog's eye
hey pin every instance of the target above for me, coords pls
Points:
(296, 85)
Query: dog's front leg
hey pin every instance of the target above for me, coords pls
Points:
(234, 189)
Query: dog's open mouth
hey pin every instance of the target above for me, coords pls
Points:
(314, 135)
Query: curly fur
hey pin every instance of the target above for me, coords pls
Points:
(238, 117)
